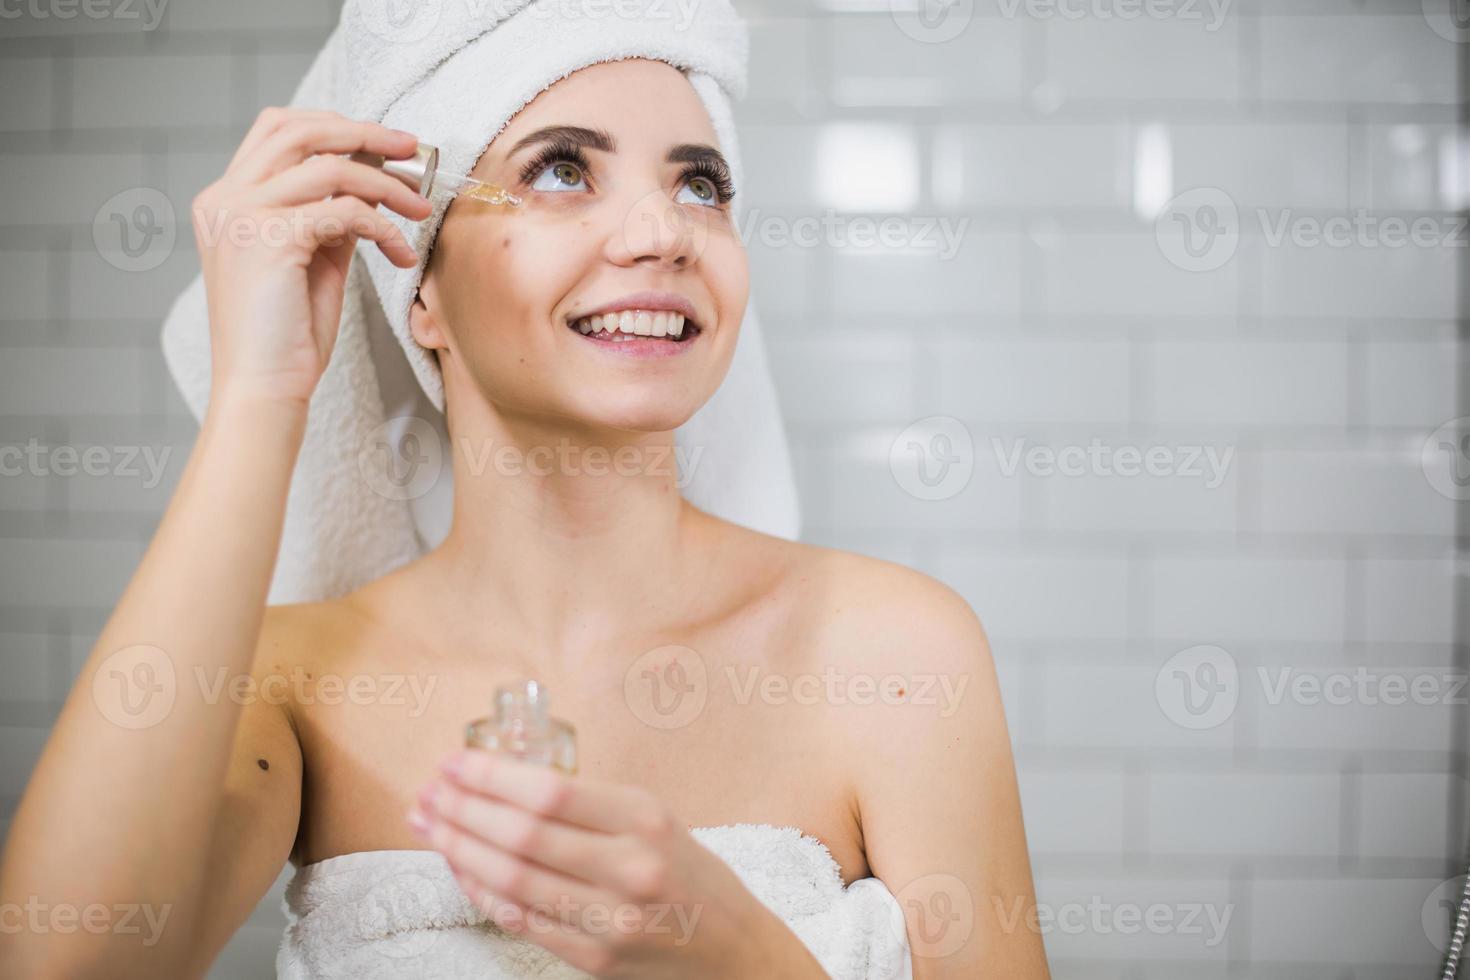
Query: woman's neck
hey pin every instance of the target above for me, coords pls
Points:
(571, 535)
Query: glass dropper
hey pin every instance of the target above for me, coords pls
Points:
(421, 172)
(479, 190)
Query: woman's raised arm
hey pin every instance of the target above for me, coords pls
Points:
(148, 829)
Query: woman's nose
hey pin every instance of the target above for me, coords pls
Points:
(653, 228)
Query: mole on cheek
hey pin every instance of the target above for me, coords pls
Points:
(262, 764)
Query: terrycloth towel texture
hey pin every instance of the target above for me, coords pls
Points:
(375, 915)
(454, 73)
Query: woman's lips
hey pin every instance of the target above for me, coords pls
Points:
(637, 332)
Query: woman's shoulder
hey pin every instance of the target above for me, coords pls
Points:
(851, 607)
(883, 613)
(313, 633)
(901, 662)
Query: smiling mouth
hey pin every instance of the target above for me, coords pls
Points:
(630, 325)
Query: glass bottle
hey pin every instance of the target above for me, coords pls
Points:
(522, 726)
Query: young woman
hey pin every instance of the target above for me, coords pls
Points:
(569, 574)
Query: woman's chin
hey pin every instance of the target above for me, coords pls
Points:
(633, 419)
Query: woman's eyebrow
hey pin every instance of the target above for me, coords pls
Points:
(597, 139)
(601, 139)
(697, 152)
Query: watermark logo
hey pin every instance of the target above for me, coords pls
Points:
(1440, 909)
(933, 459)
(657, 224)
(932, 21)
(138, 687)
(1198, 688)
(400, 21)
(1445, 459)
(939, 914)
(397, 912)
(134, 230)
(1199, 230)
(1450, 19)
(667, 687)
(135, 687)
(401, 458)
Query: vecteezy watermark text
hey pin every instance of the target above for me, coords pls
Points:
(1201, 229)
(37, 916)
(147, 14)
(1099, 917)
(402, 458)
(1199, 688)
(914, 233)
(1096, 459)
(839, 687)
(37, 459)
(1210, 13)
(138, 687)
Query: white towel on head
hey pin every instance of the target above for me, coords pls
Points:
(371, 489)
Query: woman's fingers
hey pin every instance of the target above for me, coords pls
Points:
(267, 121)
(346, 219)
(511, 876)
(613, 808)
(301, 136)
(588, 855)
(332, 176)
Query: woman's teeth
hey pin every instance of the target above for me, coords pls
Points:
(633, 323)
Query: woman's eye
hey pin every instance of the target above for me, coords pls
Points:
(561, 176)
(703, 190)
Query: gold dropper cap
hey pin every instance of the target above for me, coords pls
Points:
(417, 171)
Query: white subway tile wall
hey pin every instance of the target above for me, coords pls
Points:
(1188, 275)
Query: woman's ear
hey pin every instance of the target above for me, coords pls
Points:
(423, 322)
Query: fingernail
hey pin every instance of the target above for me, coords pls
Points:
(454, 765)
(426, 798)
(418, 821)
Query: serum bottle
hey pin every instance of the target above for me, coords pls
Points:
(522, 726)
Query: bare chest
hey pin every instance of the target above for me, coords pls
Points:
(718, 739)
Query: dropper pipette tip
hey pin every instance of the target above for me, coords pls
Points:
(490, 194)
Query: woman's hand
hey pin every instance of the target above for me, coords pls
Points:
(599, 873)
(276, 234)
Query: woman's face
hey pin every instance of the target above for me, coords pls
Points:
(624, 193)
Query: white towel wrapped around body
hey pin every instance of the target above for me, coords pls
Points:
(454, 73)
(386, 915)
